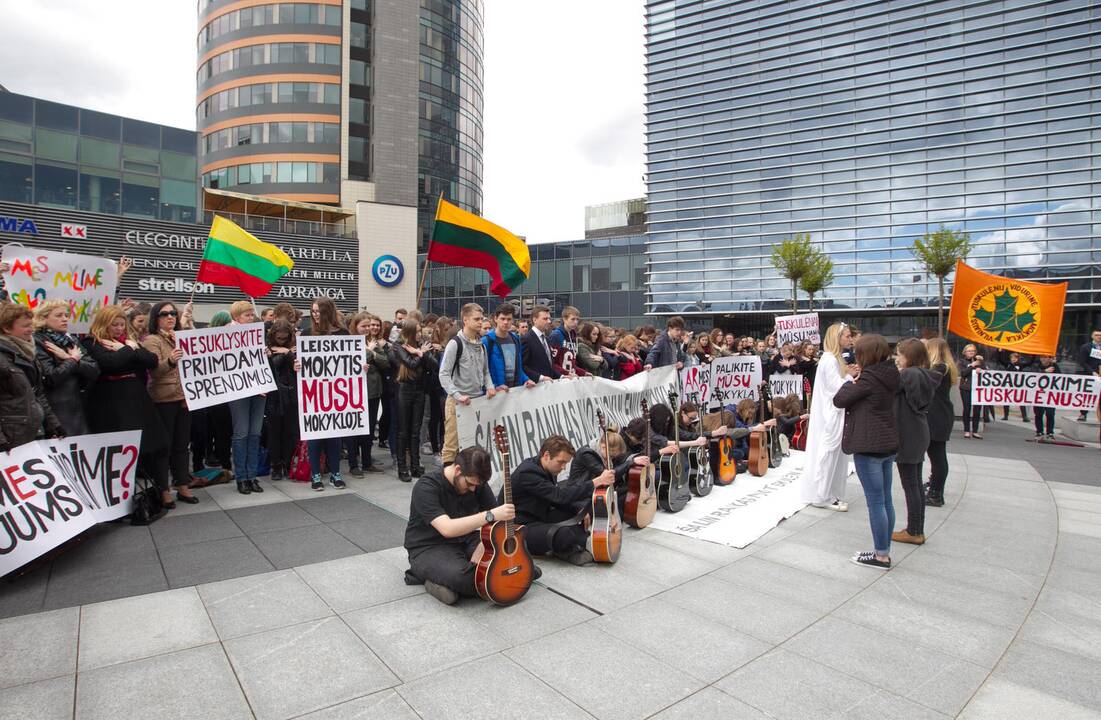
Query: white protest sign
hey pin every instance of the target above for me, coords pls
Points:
(53, 490)
(85, 282)
(1039, 389)
(222, 364)
(797, 329)
(332, 386)
(783, 385)
(734, 378)
(695, 383)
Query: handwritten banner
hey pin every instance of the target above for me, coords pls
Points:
(53, 490)
(332, 387)
(734, 378)
(695, 383)
(783, 385)
(85, 282)
(223, 364)
(1053, 390)
(797, 329)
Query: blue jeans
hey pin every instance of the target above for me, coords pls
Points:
(875, 478)
(331, 448)
(248, 420)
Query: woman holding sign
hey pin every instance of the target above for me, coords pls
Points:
(247, 416)
(826, 467)
(168, 397)
(68, 370)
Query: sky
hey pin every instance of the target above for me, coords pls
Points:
(563, 91)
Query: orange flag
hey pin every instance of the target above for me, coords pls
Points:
(1007, 313)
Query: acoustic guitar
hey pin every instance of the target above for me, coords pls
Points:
(607, 530)
(775, 449)
(724, 468)
(799, 437)
(673, 492)
(641, 504)
(700, 479)
(504, 569)
(758, 440)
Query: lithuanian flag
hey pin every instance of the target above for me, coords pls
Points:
(464, 239)
(235, 258)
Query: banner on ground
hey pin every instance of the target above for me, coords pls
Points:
(53, 490)
(1006, 313)
(222, 364)
(332, 386)
(563, 407)
(1053, 390)
(734, 378)
(782, 385)
(85, 282)
(695, 385)
(797, 329)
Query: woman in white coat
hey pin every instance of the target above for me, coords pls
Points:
(826, 468)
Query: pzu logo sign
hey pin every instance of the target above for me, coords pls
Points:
(387, 270)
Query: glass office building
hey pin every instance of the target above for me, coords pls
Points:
(866, 125)
(68, 157)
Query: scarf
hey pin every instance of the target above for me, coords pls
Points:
(64, 341)
(24, 346)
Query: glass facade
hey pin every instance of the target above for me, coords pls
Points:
(359, 91)
(67, 157)
(867, 125)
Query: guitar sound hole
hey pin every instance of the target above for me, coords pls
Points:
(510, 546)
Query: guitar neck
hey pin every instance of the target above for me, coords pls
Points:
(506, 484)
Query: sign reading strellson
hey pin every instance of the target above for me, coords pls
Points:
(387, 270)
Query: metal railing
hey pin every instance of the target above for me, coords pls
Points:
(261, 223)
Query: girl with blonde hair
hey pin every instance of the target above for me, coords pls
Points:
(826, 465)
(67, 369)
(942, 416)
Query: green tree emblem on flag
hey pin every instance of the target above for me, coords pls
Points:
(1004, 318)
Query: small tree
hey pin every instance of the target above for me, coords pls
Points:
(939, 252)
(793, 259)
(819, 277)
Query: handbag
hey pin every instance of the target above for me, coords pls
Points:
(300, 464)
(148, 506)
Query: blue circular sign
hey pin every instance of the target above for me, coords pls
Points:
(387, 270)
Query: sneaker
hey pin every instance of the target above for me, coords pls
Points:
(1050, 438)
(967, 434)
(932, 501)
(355, 472)
(1039, 437)
(444, 594)
(836, 506)
(871, 561)
(976, 436)
(336, 481)
(373, 469)
(904, 536)
(316, 484)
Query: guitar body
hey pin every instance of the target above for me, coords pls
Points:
(642, 497)
(758, 453)
(673, 493)
(799, 437)
(607, 529)
(723, 465)
(700, 479)
(504, 568)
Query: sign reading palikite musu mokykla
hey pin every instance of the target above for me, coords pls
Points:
(222, 364)
(797, 329)
(1038, 389)
(85, 282)
(332, 386)
(53, 490)
(734, 378)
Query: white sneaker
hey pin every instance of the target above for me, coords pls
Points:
(836, 505)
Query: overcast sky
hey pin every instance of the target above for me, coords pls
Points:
(563, 90)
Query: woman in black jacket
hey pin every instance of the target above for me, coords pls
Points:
(916, 387)
(25, 413)
(871, 437)
(67, 369)
(942, 416)
(408, 358)
(970, 363)
(589, 463)
(1045, 415)
(282, 405)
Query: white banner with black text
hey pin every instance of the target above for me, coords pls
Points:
(1038, 389)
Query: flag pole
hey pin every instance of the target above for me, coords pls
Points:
(424, 273)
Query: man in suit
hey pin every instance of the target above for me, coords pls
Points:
(538, 362)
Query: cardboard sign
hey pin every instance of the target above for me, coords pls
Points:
(85, 282)
(695, 383)
(1039, 389)
(783, 385)
(332, 386)
(223, 364)
(797, 329)
(734, 378)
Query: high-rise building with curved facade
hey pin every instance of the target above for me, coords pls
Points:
(371, 105)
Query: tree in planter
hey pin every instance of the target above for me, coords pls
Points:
(818, 278)
(793, 259)
(939, 252)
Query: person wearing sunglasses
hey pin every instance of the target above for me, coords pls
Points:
(168, 398)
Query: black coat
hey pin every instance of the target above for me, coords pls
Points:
(25, 412)
(588, 463)
(916, 389)
(284, 401)
(66, 382)
(535, 361)
(869, 403)
(941, 413)
(119, 401)
(538, 497)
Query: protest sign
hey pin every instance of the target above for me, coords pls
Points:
(223, 364)
(332, 386)
(695, 383)
(797, 329)
(85, 282)
(782, 385)
(53, 490)
(734, 378)
(564, 407)
(1039, 389)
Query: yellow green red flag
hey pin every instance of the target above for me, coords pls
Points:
(235, 258)
(462, 238)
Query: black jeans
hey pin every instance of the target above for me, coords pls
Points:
(410, 416)
(543, 539)
(220, 428)
(909, 475)
(282, 438)
(174, 461)
(435, 421)
(1045, 416)
(448, 565)
(938, 468)
(972, 414)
